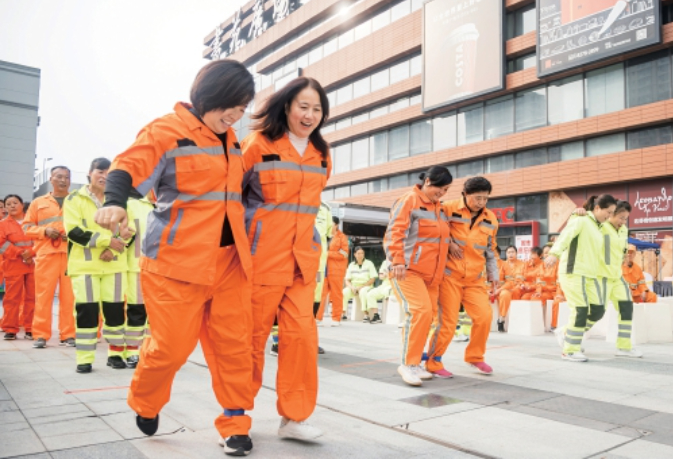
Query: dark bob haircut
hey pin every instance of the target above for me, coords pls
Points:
(335, 219)
(622, 206)
(537, 250)
(100, 163)
(272, 118)
(223, 84)
(439, 176)
(13, 196)
(603, 201)
(476, 185)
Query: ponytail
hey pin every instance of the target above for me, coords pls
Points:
(603, 201)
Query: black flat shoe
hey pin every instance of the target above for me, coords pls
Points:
(84, 368)
(149, 426)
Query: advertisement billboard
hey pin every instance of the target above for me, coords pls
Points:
(463, 50)
(572, 33)
(652, 203)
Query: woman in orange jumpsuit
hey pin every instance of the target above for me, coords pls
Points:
(511, 277)
(19, 269)
(533, 269)
(196, 267)
(288, 164)
(416, 244)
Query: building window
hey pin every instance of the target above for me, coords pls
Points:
(521, 63)
(471, 168)
(315, 54)
(413, 100)
(381, 20)
(399, 72)
(399, 181)
(606, 144)
(649, 137)
(444, 131)
(346, 38)
(471, 125)
(380, 79)
(399, 104)
(329, 47)
(398, 145)
(531, 109)
(361, 118)
(566, 100)
(565, 152)
(363, 30)
(529, 158)
(361, 87)
(378, 148)
(604, 89)
(378, 112)
(648, 79)
(359, 189)
(400, 10)
(344, 94)
(327, 194)
(342, 158)
(416, 65)
(420, 137)
(535, 208)
(521, 21)
(342, 192)
(499, 117)
(500, 163)
(378, 185)
(343, 123)
(360, 154)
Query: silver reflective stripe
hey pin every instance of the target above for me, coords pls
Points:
(639, 282)
(276, 166)
(574, 333)
(88, 283)
(233, 151)
(626, 288)
(624, 335)
(86, 346)
(480, 247)
(255, 240)
(601, 301)
(299, 209)
(139, 288)
(343, 253)
(607, 249)
(50, 220)
(115, 341)
(573, 341)
(118, 288)
(87, 255)
(86, 335)
(174, 228)
(134, 333)
(459, 242)
(190, 150)
(94, 238)
(84, 222)
(418, 254)
(487, 225)
(447, 240)
(459, 219)
(317, 277)
(420, 214)
(430, 240)
(625, 327)
(137, 241)
(24, 243)
(233, 196)
(210, 196)
(584, 292)
(447, 272)
(314, 169)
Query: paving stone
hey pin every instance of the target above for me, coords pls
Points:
(561, 417)
(20, 442)
(42, 455)
(430, 400)
(14, 416)
(494, 393)
(594, 410)
(124, 423)
(643, 449)
(122, 449)
(53, 414)
(8, 405)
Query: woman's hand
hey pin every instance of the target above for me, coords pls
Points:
(117, 244)
(455, 251)
(398, 272)
(550, 260)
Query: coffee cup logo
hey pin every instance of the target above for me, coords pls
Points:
(462, 46)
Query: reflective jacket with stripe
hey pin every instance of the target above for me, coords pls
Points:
(547, 279)
(197, 184)
(511, 274)
(580, 246)
(359, 275)
(418, 236)
(281, 194)
(138, 211)
(477, 240)
(531, 272)
(86, 239)
(634, 276)
(13, 242)
(615, 243)
(44, 212)
(337, 254)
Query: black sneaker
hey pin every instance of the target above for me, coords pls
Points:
(149, 426)
(116, 362)
(10, 336)
(344, 318)
(40, 343)
(132, 361)
(67, 342)
(84, 368)
(376, 319)
(237, 445)
(501, 326)
(28, 336)
(274, 350)
(365, 319)
(321, 351)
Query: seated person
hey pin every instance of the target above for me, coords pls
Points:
(634, 276)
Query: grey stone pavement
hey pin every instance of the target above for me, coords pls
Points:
(533, 406)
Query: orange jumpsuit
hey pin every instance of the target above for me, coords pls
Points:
(19, 277)
(196, 266)
(511, 277)
(418, 238)
(558, 298)
(533, 270)
(463, 282)
(281, 193)
(51, 264)
(337, 264)
(633, 275)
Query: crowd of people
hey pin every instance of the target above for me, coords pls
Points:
(192, 237)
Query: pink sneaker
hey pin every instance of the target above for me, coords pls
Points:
(482, 367)
(443, 374)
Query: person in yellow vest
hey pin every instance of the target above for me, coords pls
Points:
(360, 277)
(136, 315)
(378, 293)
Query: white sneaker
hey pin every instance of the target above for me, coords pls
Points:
(318, 323)
(422, 373)
(577, 357)
(298, 430)
(409, 375)
(336, 323)
(632, 353)
(365, 319)
(560, 333)
(460, 338)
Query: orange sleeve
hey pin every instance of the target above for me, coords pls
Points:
(7, 248)
(30, 226)
(507, 273)
(400, 219)
(639, 279)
